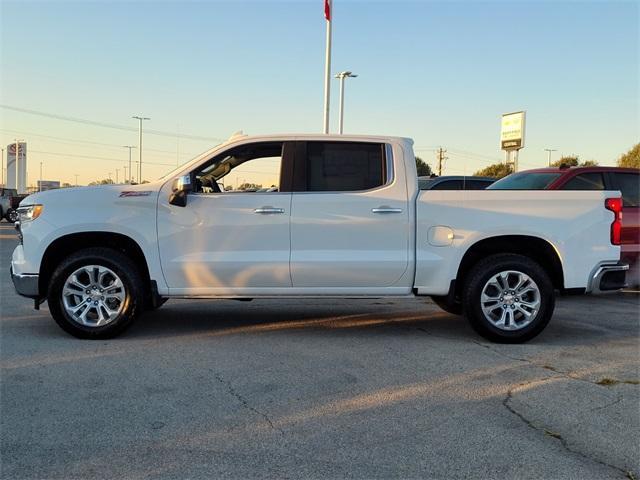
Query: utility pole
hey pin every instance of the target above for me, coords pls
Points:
(117, 175)
(76, 175)
(2, 166)
(130, 171)
(549, 150)
(140, 119)
(328, 15)
(40, 186)
(441, 159)
(341, 76)
(125, 174)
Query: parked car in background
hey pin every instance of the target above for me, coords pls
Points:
(454, 182)
(9, 201)
(627, 180)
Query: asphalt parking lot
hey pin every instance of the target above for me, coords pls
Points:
(319, 389)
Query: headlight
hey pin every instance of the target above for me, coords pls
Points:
(29, 212)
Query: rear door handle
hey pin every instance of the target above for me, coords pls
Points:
(268, 210)
(386, 209)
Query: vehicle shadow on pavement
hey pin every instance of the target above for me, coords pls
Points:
(578, 321)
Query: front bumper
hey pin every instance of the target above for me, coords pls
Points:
(608, 278)
(26, 284)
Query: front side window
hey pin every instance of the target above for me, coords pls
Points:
(585, 181)
(344, 166)
(244, 169)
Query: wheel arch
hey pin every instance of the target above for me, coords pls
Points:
(65, 245)
(538, 249)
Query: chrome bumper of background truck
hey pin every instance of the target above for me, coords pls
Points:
(26, 284)
(608, 278)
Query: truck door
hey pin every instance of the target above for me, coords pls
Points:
(350, 223)
(233, 235)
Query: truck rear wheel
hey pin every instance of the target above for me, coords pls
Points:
(95, 293)
(508, 298)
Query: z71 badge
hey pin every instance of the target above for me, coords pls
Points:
(144, 193)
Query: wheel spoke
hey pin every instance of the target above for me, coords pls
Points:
(510, 300)
(86, 304)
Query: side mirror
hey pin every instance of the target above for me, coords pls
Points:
(181, 187)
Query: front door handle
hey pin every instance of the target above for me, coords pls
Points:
(268, 210)
(386, 209)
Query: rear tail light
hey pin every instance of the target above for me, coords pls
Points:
(615, 205)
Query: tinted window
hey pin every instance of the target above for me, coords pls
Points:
(477, 184)
(344, 166)
(585, 181)
(628, 183)
(524, 181)
(448, 185)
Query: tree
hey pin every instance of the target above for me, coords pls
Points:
(424, 170)
(572, 161)
(66, 185)
(104, 181)
(631, 159)
(497, 170)
(249, 186)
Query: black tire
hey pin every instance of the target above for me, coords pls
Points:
(12, 215)
(480, 274)
(122, 267)
(454, 309)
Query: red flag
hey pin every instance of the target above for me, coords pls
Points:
(327, 9)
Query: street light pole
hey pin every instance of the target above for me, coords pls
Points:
(549, 150)
(140, 119)
(76, 175)
(2, 166)
(130, 171)
(40, 189)
(341, 76)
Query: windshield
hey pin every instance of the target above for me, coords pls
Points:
(525, 181)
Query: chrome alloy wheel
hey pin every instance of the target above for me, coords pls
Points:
(510, 300)
(93, 296)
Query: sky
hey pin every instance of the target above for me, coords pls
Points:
(439, 72)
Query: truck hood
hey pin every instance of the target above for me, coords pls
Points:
(91, 194)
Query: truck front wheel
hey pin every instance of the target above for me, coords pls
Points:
(95, 293)
(508, 298)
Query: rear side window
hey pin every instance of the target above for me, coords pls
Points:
(628, 183)
(344, 166)
(524, 181)
(585, 181)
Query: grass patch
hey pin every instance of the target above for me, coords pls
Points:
(608, 382)
(552, 434)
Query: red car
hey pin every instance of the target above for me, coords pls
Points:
(627, 180)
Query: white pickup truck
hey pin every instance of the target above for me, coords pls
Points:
(341, 216)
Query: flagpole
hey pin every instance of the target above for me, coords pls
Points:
(327, 64)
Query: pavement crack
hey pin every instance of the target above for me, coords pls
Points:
(245, 404)
(555, 435)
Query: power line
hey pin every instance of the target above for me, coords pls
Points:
(75, 141)
(108, 125)
(95, 158)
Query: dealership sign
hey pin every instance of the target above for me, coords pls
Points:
(512, 131)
